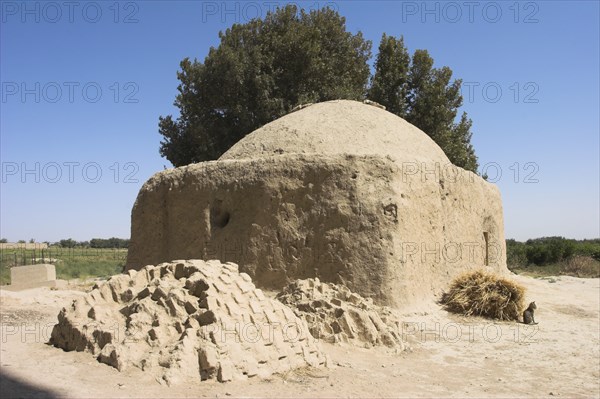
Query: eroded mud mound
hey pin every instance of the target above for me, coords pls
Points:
(187, 319)
(335, 314)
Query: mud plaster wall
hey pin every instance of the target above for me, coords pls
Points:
(363, 221)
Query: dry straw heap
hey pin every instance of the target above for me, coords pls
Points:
(484, 293)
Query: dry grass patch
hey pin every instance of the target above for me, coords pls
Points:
(483, 293)
(582, 266)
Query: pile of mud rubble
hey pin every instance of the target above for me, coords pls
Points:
(190, 319)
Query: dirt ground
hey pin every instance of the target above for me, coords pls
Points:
(449, 356)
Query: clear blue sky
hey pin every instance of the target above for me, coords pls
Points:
(82, 91)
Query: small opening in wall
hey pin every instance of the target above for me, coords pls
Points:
(223, 219)
(486, 239)
(218, 217)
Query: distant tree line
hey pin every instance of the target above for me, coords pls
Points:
(112, 242)
(549, 250)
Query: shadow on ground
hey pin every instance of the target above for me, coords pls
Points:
(12, 387)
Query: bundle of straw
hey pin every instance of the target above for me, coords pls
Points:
(482, 293)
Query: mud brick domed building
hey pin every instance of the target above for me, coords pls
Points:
(341, 190)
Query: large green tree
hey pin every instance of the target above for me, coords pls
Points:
(264, 68)
(425, 96)
(259, 72)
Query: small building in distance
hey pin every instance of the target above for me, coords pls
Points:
(23, 245)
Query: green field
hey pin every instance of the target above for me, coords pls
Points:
(70, 262)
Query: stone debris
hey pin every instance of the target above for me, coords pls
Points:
(187, 319)
(300, 106)
(374, 104)
(335, 314)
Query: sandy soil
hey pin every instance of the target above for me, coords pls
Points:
(449, 355)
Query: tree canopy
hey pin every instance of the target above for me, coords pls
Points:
(549, 250)
(259, 72)
(264, 68)
(425, 96)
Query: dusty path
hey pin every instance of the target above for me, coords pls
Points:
(451, 356)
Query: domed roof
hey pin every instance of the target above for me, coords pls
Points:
(340, 127)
